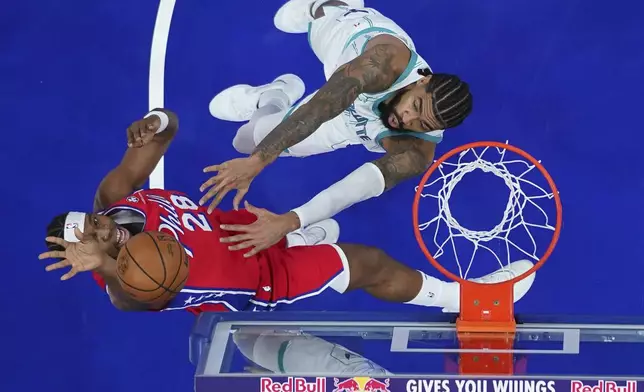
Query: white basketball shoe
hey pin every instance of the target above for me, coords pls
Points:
(323, 232)
(238, 103)
(294, 16)
(506, 273)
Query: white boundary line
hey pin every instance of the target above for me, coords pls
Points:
(156, 81)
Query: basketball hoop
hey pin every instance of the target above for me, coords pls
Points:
(486, 320)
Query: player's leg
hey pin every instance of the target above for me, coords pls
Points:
(264, 107)
(294, 352)
(330, 25)
(242, 101)
(294, 16)
(372, 270)
(306, 271)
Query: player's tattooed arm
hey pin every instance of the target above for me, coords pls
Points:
(137, 163)
(406, 157)
(373, 71)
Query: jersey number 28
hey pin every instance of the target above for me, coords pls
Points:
(190, 220)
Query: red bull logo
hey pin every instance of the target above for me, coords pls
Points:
(603, 386)
(361, 384)
(292, 384)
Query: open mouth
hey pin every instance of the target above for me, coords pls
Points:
(122, 236)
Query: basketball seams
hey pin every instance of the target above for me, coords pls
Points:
(143, 270)
(176, 275)
(165, 270)
(165, 287)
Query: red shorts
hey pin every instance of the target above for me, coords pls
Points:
(286, 274)
(291, 274)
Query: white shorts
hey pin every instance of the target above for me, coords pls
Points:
(341, 35)
(290, 352)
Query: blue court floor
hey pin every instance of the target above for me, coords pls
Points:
(561, 79)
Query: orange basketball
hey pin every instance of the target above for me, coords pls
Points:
(152, 267)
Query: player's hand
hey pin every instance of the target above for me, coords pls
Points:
(85, 255)
(234, 174)
(142, 132)
(265, 232)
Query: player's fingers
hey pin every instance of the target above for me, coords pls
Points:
(218, 192)
(252, 209)
(213, 191)
(80, 235)
(239, 197)
(213, 168)
(58, 241)
(148, 136)
(254, 251)
(72, 272)
(242, 228)
(235, 238)
(243, 245)
(143, 131)
(136, 134)
(130, 137)
(58, 265)
(212, 181)
(53, 254)
(215, 202)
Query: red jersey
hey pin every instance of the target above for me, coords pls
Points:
(217, 276)
(224, 280)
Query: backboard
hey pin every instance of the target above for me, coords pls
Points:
(353, 352)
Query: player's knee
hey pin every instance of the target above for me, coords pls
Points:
(368, 265)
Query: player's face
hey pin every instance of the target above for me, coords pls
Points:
(410, 109)
(105, 230)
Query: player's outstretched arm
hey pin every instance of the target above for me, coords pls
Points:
(373, 71)
(406, 157)
(148, 139)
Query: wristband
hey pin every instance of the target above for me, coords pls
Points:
(165, 120)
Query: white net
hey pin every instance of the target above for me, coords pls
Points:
(524, 211)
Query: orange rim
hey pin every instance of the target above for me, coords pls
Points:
(516, 150)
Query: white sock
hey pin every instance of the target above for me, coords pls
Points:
(435, 292)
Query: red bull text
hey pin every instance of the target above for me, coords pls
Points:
(603, 386)
(292, 384)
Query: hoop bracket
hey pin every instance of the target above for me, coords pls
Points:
(486, 322)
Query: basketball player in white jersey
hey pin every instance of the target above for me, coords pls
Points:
(379, 93)
(295, 352)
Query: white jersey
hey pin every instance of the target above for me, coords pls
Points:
(342, 36)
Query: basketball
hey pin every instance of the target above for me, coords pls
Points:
(152, 267)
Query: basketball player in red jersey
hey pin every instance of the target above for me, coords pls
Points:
(221, 279)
